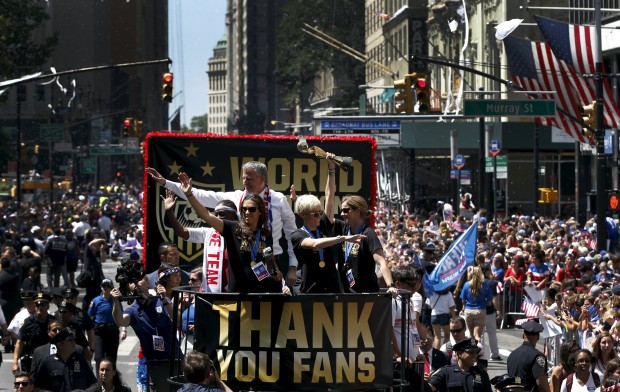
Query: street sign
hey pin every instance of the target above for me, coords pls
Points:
(113, 150)
(509, 108)
(502, 164)
(51, 132)
(459, 161)
(465, 176)
(495, 147)
(89, 165)
(387, 132)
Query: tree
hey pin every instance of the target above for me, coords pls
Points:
(300, 56)
(200, 123)
(20, 52)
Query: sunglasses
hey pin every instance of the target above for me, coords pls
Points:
(193, 280)
(347, 209)
(316, 214)
(18, 384)
(249, 209)
(221, 214)
(456, 330)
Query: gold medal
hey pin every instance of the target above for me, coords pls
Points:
(253, 263)
(321, 264)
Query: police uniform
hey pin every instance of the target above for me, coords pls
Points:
(452, 378)
(34, 333)
(526, 361)
(56, 375)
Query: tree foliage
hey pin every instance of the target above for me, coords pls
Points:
(200, 124)
(300, 56)
(21, 52)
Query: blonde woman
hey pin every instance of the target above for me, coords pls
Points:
(476, 297)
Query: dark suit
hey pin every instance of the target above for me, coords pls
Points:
(438, 359)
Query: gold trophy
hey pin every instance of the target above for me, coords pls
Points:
(343, 162)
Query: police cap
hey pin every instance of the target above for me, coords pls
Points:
(62, 335)
(28, 295)
(42, 297)
(57, 292)
(532, 328)
(466, 345)
(71, 292)
(510, 384)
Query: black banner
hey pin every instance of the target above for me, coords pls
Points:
(301, 343)
(214, 163)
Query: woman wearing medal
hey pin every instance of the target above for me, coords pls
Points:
(315, 246)
(245, 242)
(360, 260)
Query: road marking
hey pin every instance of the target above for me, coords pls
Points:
(127, 345)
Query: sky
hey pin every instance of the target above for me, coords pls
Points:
(194, 28)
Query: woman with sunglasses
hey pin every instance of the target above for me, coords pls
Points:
(212, 242)
(317, 251)
(360, 260)
(245, 242)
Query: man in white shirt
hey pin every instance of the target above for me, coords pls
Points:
(254, 176)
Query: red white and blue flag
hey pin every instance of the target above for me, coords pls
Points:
(530, 308)
(573, 45)
(533, 67)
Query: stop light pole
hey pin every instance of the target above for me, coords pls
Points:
(601, 197)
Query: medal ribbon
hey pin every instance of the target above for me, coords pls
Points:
(349, 245)
(318, 236)
(254, 247)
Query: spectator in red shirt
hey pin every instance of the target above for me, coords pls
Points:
(570, 269)
(513, 282)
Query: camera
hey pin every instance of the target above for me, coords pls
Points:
(129, 271)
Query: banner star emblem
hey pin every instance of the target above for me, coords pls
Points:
(207, 169)
(191, 150)
(174, 168)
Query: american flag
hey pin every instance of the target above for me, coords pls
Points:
(573, 45)
(530, 308)
(534, 68)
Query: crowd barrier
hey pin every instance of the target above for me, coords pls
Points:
(312, 342)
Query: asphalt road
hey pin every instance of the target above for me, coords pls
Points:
(128, 350)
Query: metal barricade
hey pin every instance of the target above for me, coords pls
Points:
(511, 303)
(552, 349)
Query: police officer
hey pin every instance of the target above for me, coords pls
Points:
(465, 375)
(33, 333)
(527, 362)
(83, 319)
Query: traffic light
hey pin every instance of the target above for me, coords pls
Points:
(613, 202)
(423, 92)
(403, 98)
(127, 126)
(36, 148)
(166, 87)
(137, 127)
(589, 118)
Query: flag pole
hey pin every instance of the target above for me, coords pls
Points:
(601, 207)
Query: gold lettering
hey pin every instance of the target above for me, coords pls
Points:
(345, 367)
(321, 321)
(262, 366)
(224, 357)
(224, 308)
(304, 172)
(249, 359)
(283, 181)
(351, 183)
(322, 368)
(299, 366)
(291, 311)
(366, 366)
(359, 326)
(248, 324)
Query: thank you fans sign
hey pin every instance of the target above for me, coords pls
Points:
(301, 343)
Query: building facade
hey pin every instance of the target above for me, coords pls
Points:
(218, 93)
